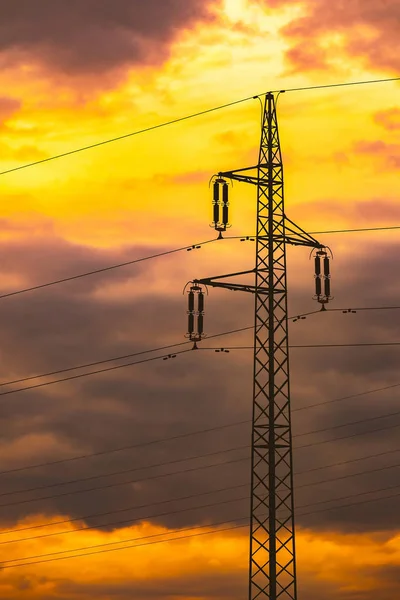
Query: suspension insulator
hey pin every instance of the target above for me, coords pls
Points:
(225, 189)
(318, 287)
(216, 192)
(216, 214)
(191, 301)
(317, 266)
(225, 215)
(201, 302)
(191, 324)
(327, 288)
(200, 322)
(326, 266)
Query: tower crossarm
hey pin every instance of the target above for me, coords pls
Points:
(286, 229)
(216, 282)
(239, 176)
(209, 279)
(236, 287)
(296, 236)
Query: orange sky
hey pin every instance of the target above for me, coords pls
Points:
(341, 149)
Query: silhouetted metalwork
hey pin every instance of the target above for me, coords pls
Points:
(220, 224)
(272, 571)
(325, 277)
(195, 326)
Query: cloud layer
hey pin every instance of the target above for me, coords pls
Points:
(365, 31)
(87, 36)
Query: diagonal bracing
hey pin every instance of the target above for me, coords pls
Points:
(272, 570)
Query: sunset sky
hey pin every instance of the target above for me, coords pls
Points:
(77, 72)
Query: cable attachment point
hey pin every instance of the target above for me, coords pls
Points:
(322, 275)
(247, 239)
(349, 310)
(193, 248)
(220, 206)
(195, 314)
(169, 356)
(222, 350)
(299, 318)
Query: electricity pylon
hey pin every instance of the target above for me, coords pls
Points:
(272, 572)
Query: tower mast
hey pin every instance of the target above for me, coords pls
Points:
(272, 570)
(272, 536)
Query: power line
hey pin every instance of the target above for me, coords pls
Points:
(121, 542)
(323, 232)
(191, 433)
(6, 564)
(95, 363)
(387, 228)
(344, 462)
(302, 514)
(131, 355)
(137, 507)
(124, 448)
(125, 356)
(334, 479)
(345, 437)
(130, 470)
(319, 502)
(349, 397)
(103, 269)
(187, 117)
(136, 519)
(362, 308)
(196, 457)
(193, 469)
(134, 546)
(120, 510)
(359, 422)
(196, 535)
(111, 485)
(347, 345)
(105, 370)
(188, 248)
(163, 514)
(333, 85)
(167, 356)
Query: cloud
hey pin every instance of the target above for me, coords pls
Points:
(8, 107)
(389, 119)
(308, 57)
(388, 153)
(91, 36)
(72, 324)
(22, 153)
(372, 212)
(365, 30)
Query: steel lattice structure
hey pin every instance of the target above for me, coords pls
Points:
(272, 535)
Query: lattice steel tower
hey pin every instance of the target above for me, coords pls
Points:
(272, 535)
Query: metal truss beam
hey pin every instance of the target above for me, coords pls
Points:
(272, 571)
(272, 536)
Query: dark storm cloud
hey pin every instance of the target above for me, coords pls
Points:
(72, 323)
(216, 586)
(95, 35)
